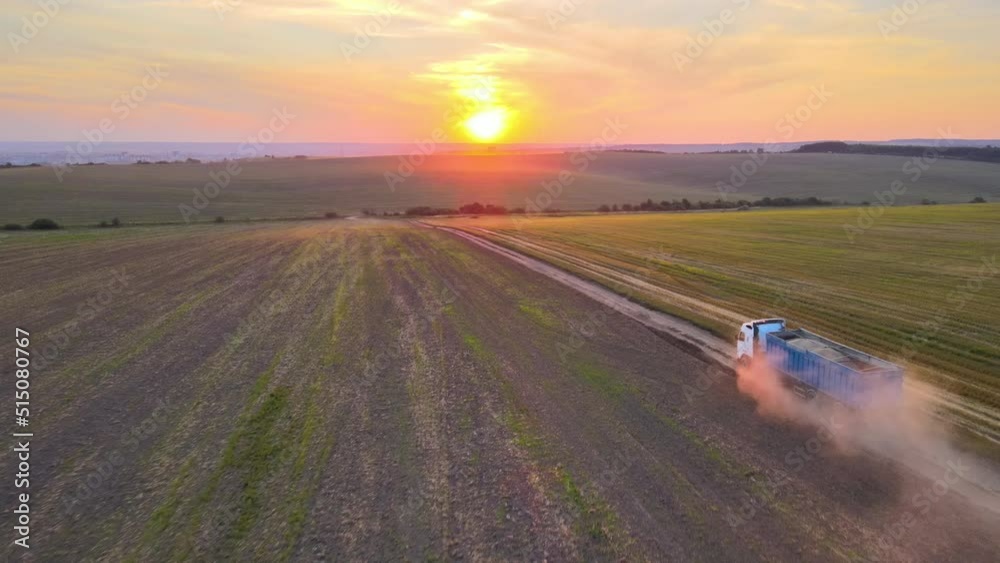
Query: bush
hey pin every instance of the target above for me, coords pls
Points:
(13, 227)
(43, 224)
(978, 199)
(115, 222)
(331, 215)
(220, 219)
(103, 225)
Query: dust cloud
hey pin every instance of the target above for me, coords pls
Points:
(903, 430)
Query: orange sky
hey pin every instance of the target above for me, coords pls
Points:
(557, 70)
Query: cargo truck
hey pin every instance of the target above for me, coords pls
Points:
(850, 376)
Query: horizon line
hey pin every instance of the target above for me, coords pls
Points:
(522, 143)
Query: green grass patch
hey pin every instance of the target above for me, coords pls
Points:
(537, 313)
(600, 379)
(251, 453)
(474, 344)
(595, 518)
(341, 302)
(164, 513)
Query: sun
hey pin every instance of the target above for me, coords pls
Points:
(487, 125)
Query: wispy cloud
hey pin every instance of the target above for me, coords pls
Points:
(604, 58)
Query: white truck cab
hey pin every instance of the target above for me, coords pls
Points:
(750, 339)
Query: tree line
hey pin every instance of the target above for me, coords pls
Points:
(687, 205)
(982, 154)
(477, 208)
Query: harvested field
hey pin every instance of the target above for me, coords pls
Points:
(920, 286)
(365, 390)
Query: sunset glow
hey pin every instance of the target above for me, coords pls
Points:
(390, 71)
(487, 125)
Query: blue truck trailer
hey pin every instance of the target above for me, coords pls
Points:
(850, 376)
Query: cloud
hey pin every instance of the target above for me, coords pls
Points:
(600, 60)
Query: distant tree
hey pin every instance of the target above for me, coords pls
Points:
(43, 225)
(220, 219)
(331, 215)
(193, 161)
(424, 211)
(626, 207)
(116, 222)
(978, 199)
(825, 146)
(685, 203)
(614, 207)
(474, 208)
(13, 227)
(103, 224)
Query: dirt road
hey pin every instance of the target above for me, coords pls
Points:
(378, 391)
